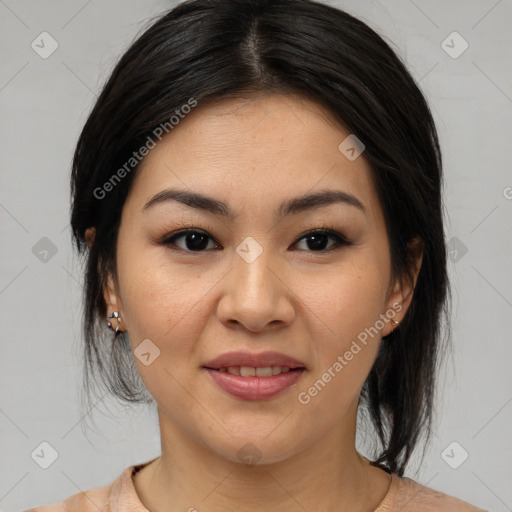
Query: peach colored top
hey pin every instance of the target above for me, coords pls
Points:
(404, 495)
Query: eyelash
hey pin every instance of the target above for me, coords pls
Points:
(330, 231)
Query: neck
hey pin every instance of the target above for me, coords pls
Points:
(329, 475)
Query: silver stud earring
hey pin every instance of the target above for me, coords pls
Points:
(115, 315)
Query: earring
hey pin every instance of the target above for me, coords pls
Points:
(115, 315)
(395, 323)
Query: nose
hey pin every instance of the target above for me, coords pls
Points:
(256, 295)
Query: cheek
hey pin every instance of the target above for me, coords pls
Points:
(157, 295)
(348, 298)
(164, 304)
(348, 331)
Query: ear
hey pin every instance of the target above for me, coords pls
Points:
(113, 303)
(111, 295)
(401, 291)
(110, 289)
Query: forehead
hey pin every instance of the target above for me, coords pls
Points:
(256, 151)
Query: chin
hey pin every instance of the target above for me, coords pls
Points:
(256, 450)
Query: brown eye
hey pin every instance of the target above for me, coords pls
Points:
(319, 238)
(193, 240)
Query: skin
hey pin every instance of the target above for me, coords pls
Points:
(253, 154)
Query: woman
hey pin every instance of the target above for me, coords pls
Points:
(231, 139)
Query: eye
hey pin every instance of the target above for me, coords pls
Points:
(318, 238)
(194, 240)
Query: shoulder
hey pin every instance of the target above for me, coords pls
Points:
(413, 496)
(117, 496)
(93, 500)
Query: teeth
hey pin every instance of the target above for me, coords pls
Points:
(266, 371)
(248, 371)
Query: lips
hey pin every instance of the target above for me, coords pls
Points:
(251, 360)
(254, 376)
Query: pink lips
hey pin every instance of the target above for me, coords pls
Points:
(254, 388)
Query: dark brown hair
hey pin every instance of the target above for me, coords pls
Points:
(214, 49)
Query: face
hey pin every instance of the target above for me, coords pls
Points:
(194, 283)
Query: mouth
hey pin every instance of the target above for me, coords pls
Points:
(254, 376)
(260, 371)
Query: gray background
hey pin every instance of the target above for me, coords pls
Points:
(44, 103)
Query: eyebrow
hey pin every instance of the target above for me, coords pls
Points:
(291, 206)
